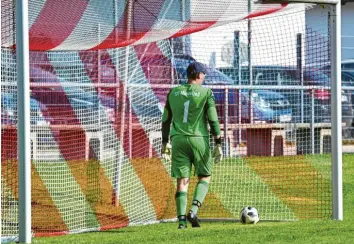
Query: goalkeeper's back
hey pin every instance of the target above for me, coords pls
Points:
(190, 108)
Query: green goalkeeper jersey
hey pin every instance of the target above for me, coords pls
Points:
(190, 108)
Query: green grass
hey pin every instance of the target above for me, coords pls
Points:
(295, 232)
(234, 178)
(305, 231)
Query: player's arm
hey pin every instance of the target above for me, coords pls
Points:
(214, 127)
(166, 121)
(213, 117)
(166, 150)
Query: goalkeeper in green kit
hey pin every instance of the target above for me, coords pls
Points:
(190, 108)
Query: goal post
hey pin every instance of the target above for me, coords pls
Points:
(23, 94)
(336, 112)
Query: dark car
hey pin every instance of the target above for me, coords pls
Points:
(271, 76)
(347, 97)
(348, 115)
(289, 76)
(348, 81)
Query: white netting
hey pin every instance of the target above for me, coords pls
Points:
(96, 114)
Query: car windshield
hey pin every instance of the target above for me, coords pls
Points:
(274, 76)
(348, 65)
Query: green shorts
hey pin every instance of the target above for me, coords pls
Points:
(188, 150)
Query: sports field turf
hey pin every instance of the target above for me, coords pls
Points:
(303, 231)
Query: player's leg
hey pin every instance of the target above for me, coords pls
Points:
(203, 167)
(181, 169)
(181, 201)
(200, 192)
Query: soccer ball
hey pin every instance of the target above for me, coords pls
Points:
(249, 215)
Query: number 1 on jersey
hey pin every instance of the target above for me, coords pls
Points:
(185, 114)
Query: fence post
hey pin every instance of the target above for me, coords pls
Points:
(249, 51)
(237, 64)
(300, 72)
(312, 121)
(226, 124)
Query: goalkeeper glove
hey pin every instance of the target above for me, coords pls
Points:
(217, 153)
(166, 151)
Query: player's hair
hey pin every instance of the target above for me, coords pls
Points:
(193, 75)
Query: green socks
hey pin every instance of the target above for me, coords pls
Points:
(199, 194)
(181, 205)
(181, 200)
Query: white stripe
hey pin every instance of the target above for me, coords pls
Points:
(7, 20)
(165, 26)
(97, 22)
(162, 30)
(35, 8)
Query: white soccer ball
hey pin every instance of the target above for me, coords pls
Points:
(249, 215)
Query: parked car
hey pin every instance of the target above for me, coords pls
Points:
(347, 97)
(270, 76)
(288, 76)
(347, 75)
(269, 106)
(348, 80)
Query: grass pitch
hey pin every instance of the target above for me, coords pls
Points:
(304, 231)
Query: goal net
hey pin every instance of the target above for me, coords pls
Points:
(100, 72)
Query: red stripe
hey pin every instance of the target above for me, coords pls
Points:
(265, 12)
(192, 27)
(119, 41)
(8, 142)
(55, 23)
